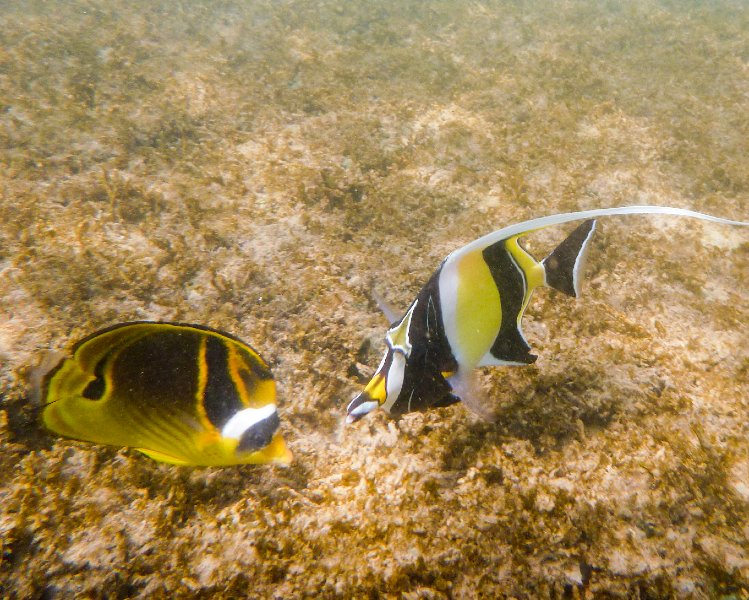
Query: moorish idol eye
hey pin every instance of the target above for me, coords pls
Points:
(181, 394)
(469, 314)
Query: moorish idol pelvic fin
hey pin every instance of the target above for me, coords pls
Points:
(180, 394)
(469, 313)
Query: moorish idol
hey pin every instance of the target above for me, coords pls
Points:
(180, 394)
(469, 313)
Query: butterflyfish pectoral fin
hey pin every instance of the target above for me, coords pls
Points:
(565, 264)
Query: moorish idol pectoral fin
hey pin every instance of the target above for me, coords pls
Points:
(465, 387)
(565, 264)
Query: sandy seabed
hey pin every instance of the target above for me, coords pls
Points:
(261, 167)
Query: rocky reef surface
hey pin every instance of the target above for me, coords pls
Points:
(260, 167)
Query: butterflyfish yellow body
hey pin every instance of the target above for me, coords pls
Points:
(469, 313)
(178, 393)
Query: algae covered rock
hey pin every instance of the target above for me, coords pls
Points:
(260, 168)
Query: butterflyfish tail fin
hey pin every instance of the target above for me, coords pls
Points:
(565, 264)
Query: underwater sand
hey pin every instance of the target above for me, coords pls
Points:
(260, 167)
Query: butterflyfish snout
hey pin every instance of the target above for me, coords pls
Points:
(180, 394)
(469, 314)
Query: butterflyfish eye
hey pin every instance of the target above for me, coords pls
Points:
(260, 434)
(181, 394)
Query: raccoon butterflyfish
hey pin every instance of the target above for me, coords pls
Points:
(469, 314)
(180, 394)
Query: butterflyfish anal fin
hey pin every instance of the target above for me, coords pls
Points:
(163, 457)
(566, 263)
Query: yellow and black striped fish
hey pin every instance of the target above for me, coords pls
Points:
(469, 313)
(181, 394)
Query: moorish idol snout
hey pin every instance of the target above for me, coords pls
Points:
(469, 313)
(181, 394)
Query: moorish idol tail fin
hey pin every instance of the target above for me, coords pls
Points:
(564, 265)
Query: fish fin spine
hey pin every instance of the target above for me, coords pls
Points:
(564, 265)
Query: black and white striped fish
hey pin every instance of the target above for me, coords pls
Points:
(469, 314)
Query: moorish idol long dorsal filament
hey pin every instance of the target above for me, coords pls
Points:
(469, 313)
(180, 394)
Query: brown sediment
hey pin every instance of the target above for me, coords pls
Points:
(259, 168)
